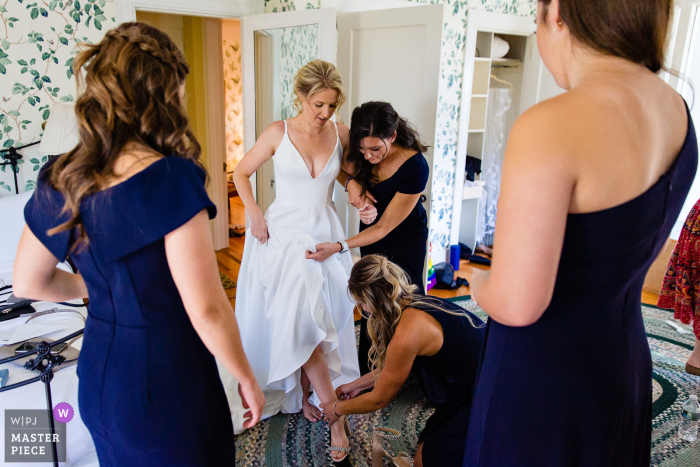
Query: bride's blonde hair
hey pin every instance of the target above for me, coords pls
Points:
(314, 77)
(384, 288)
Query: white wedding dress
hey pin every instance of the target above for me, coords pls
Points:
(286, 305)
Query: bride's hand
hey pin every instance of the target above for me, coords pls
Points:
(323, 251)
(368, 214)
(258, 227)
(355, 196)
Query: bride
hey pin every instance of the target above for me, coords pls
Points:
(295, 317)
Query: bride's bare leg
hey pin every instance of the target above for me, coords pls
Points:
(311, 412)
(317, 371)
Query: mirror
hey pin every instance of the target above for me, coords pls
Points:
(279, 53)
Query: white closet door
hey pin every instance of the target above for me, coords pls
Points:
(391, 55)
(274, 47)
(539, 82)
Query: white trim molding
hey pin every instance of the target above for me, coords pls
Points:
(498, 23)
(126, 9)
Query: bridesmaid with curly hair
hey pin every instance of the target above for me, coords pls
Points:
(129, 205)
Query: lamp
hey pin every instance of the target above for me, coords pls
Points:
(61, 132)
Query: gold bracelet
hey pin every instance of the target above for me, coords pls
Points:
(334, 412)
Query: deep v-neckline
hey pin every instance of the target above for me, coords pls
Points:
(286, 133)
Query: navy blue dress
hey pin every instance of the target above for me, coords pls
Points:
(149, 391)
(447, 379)
(405, 245)
(575, 388)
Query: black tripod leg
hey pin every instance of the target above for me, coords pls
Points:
(49, 404)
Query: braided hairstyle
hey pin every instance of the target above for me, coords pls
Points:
(130, 97)
(383, 288)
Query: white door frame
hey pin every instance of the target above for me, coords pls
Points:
(500, 24)
(214, 107)
(325, 19)
(231, 9)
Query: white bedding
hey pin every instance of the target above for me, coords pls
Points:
(80, 450)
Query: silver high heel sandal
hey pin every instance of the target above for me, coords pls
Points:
(346, 426)
(402, 459)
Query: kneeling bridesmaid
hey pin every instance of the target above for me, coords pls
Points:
(439, 339)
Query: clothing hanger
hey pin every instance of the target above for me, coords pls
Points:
(494, 77)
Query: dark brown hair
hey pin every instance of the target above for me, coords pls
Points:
(378, 119)
(631, 29)
(131, 96)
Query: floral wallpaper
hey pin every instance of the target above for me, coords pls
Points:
(38, 40)
(298, 46)
(278, 6)
(449, 98)
(233, 89)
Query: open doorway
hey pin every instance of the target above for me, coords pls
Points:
(212, 48)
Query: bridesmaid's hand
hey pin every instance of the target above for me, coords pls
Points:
(324, 251)
(329, 414)
(346, 391)
(355, 195)
(258, 227)
(368, 214)
(253, 399)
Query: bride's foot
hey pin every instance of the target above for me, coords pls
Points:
(311, 412)
(339, 438)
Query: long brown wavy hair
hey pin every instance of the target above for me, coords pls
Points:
(131, 97)
(384, 288)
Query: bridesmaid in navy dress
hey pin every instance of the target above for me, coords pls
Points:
(593, 181)
(386, 162)
(129, 206)
(434, 337)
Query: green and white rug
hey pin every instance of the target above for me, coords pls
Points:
(291, 440)
(226, 281)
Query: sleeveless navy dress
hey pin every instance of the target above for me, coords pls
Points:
(405, 245)
(447, 379)
(149, 391)
(575, 388)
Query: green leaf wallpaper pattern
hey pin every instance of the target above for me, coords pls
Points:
(449, 98)
(38, 40)
(298, 45)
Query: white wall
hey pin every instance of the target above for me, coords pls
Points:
(692, 97)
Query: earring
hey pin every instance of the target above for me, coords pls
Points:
(560, 24)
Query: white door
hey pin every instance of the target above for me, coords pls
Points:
(391, 55)
(539, 83)
(274, 47)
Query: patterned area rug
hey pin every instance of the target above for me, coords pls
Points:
(288, 440)
(226, 281)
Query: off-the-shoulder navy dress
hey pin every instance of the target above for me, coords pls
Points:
(149, 391)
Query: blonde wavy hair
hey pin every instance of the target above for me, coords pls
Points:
(130, 97)
(384, 288)
(314, 77)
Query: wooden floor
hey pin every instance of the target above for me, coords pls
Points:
(229, 260)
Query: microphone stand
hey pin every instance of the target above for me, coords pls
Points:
(12, 158)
